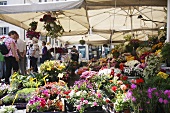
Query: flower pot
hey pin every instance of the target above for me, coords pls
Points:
(33, 28)
(127, 111)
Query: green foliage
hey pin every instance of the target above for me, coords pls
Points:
(82, 42)
(34, 23)
(153, 66)
(165, 51)
(127, 37)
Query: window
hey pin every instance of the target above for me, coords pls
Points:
(3, 2)
(82, 50)
(40, 0)
(45, 0)
(4, 30)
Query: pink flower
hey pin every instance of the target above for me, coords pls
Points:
(165, 101)
(82, 99)
(78, 107)
(99, 95)
(133, 81)
(85, 101)
(95, 103)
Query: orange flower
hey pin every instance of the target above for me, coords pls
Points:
(119, 82)
(123, 87)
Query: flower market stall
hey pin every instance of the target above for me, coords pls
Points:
(126, 82)
(133, 78)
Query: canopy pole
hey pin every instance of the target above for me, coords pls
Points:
(168, 21)
(111, 39)
(131, 22)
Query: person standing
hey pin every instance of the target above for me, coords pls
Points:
(74, 54)
(12, 58)
(34, 54)
(44, 52)
(2, 63)
(22, 54)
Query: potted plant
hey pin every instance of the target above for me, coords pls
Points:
(165, 52)
(33, 25)
(82, 41)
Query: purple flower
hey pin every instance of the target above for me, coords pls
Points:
(165, 101)
(157, 94)
(149, 95)
(133, 99)
(133, 86)
(38, 107)
(161, 100)
(129, 94)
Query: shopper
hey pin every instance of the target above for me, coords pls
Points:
(34, 54)
(22, 54)
(2, 63)
(44, 52)
(12, 58)
(74, 54)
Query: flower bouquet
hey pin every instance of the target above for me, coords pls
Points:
(51, 69)
(48, 98)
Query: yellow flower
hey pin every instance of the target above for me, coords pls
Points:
(163, 75)
(49, 69)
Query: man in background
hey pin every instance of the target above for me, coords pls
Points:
(74, 54)
(22, 55)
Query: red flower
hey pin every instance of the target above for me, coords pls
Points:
(42, 103)
(127, 85)
(118, 75)
(112, 72)
(124, 78)
(107, 100)
(121, 65)
(67, 92)
(114, 88)
(139, 81)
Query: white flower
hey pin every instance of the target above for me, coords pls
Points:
(78, 93)
(132, 63)
(104, 72)
(84, 92)
(71, 93)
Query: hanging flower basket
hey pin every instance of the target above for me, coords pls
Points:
(82, 42)
(33, 25)
(31, 33)
(53, 28)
